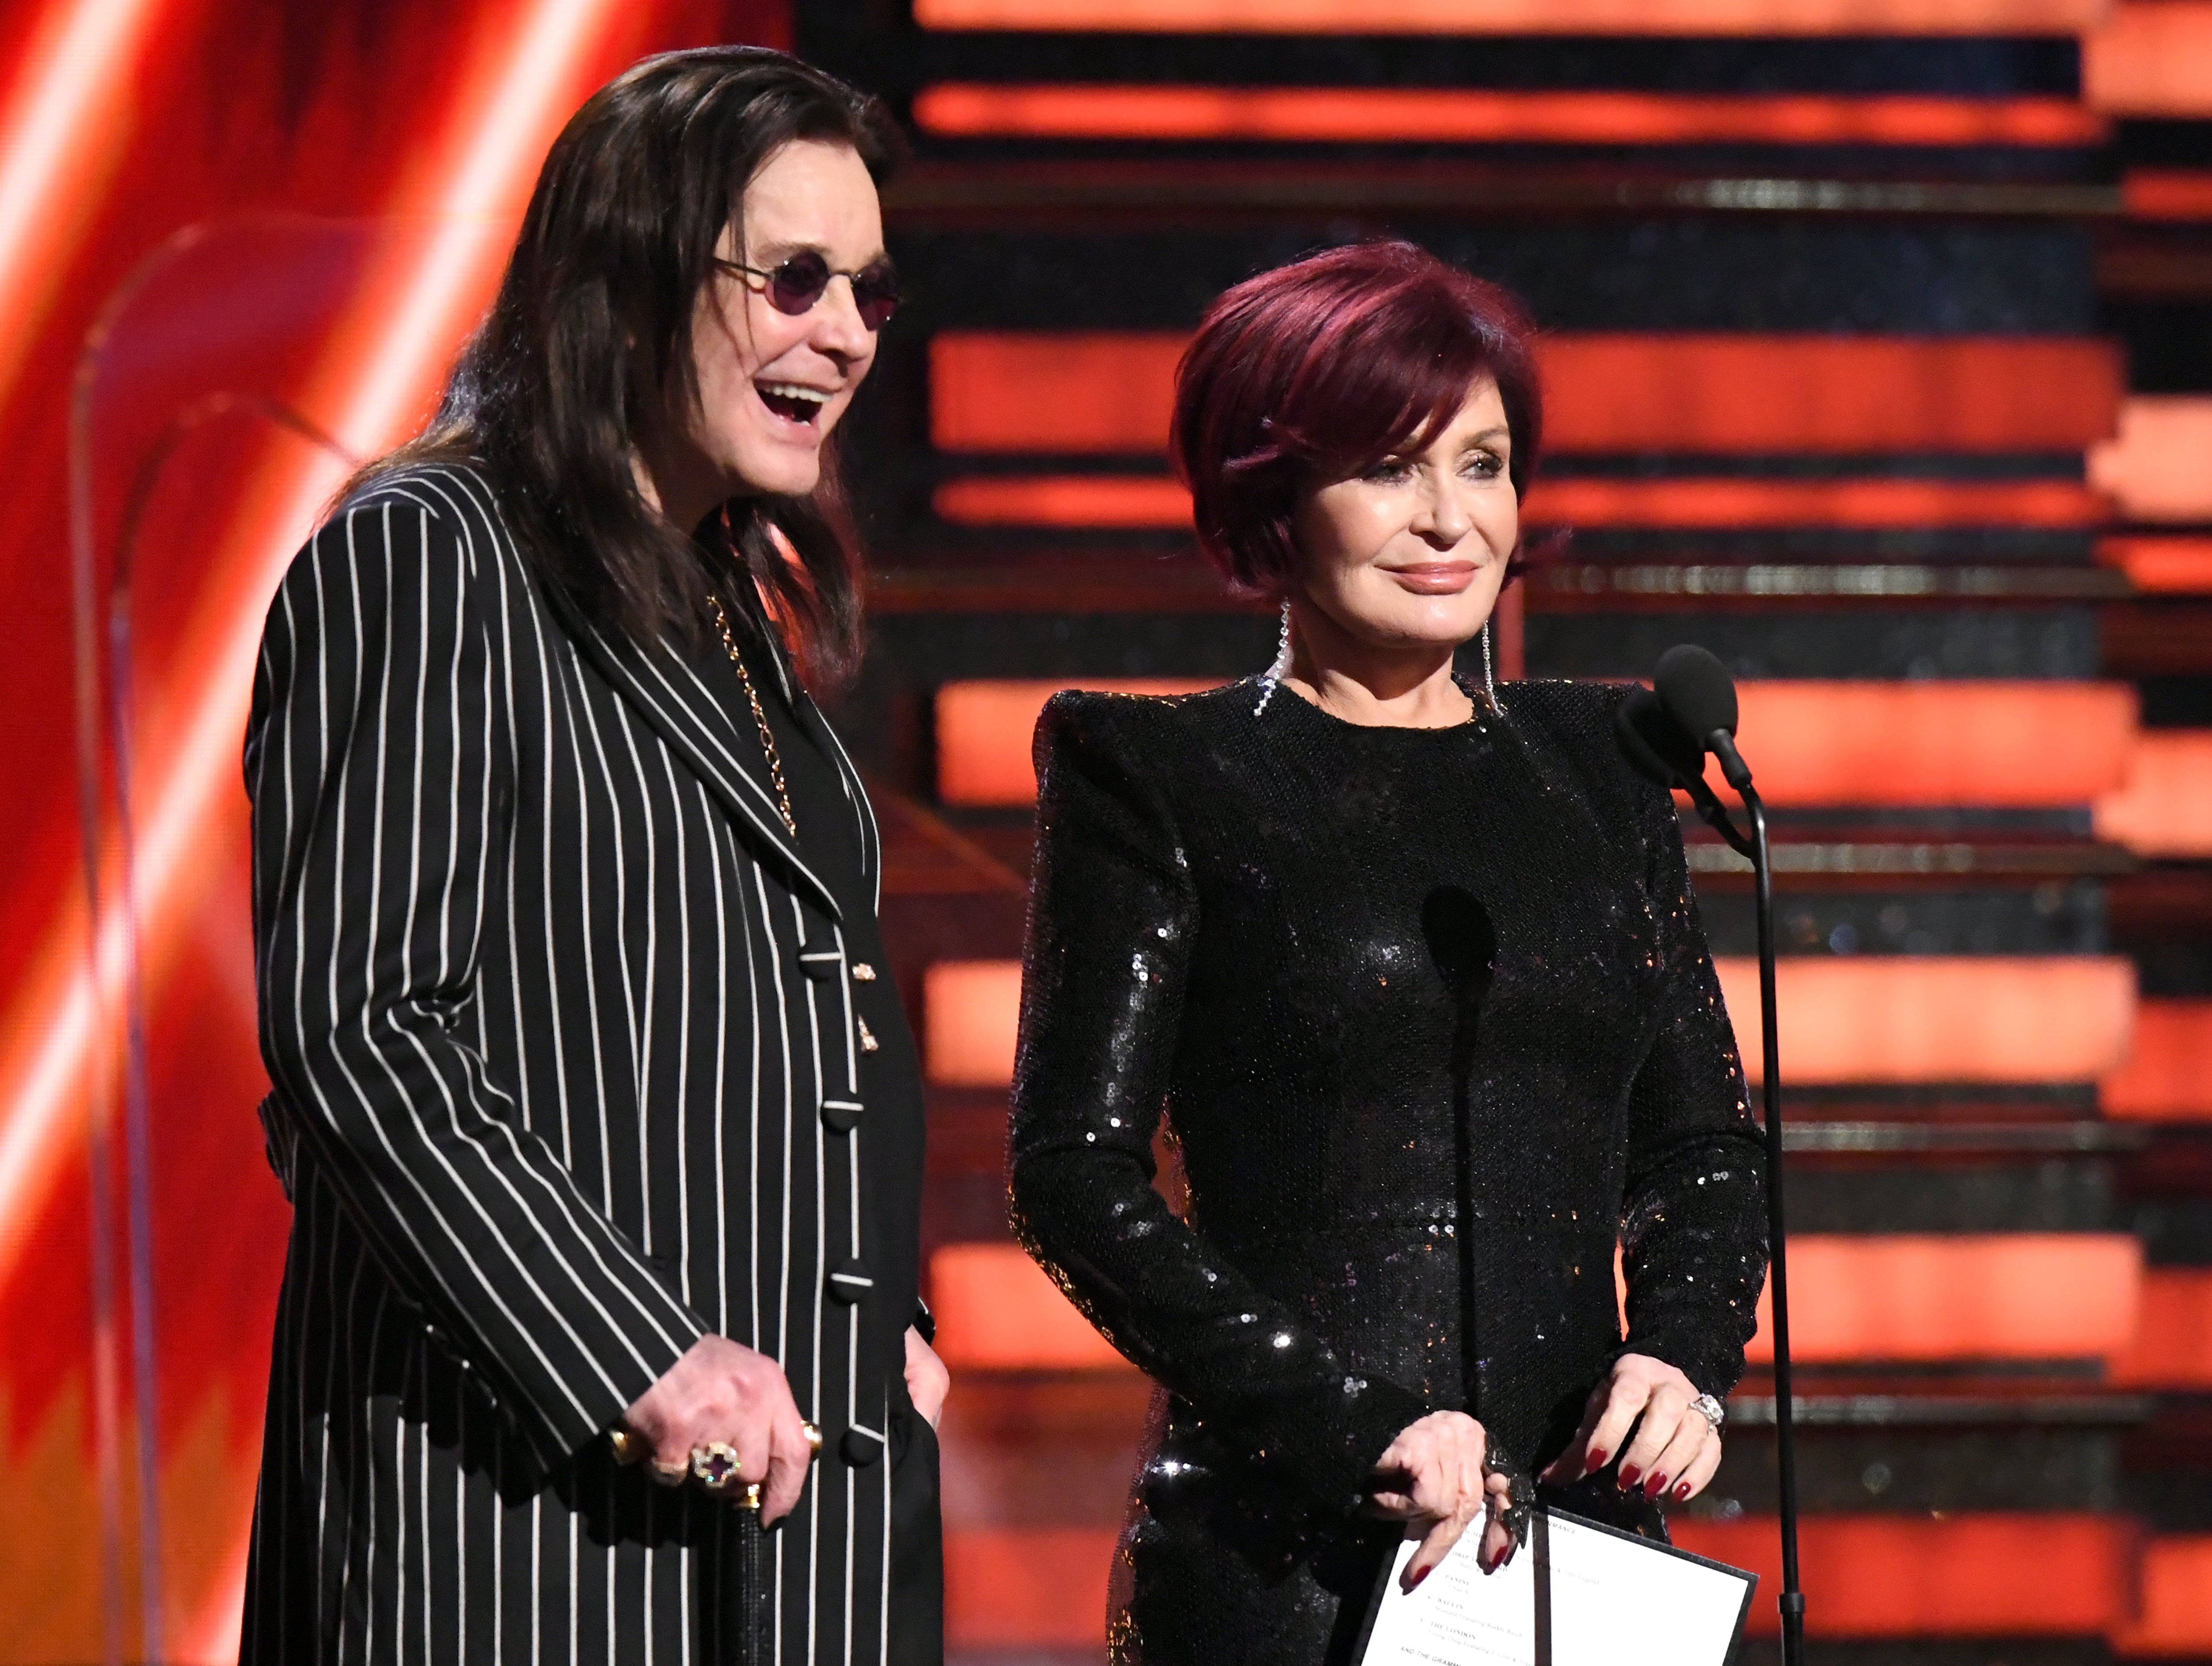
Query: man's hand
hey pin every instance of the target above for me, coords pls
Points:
(721, 1390)
(928, 1382)
(1675, 1451)
(1433, 1473)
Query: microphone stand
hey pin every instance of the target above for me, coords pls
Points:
(1792, 1599)
(1671, 763)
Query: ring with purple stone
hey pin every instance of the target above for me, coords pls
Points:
(714, 1465)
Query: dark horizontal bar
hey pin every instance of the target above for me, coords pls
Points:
(1963, 1139)
(1572, 586)
(1105, 586)
(1947, 860)
(995, 193)
(1981, 1405)
(2159, 639)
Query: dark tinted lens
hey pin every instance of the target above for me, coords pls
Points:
(799, 282)
(875, 292)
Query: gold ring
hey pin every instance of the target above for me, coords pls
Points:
(670, 1474)
(629, 1447)
(716, 1465)
(813, 1433)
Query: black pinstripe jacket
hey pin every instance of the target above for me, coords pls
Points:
(567, 1039)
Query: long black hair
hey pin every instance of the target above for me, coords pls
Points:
(588, 346)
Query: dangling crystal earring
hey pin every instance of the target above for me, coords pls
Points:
(1275, 673)
(1489, 673)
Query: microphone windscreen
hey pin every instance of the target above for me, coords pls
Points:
(1696, 689)
(1655, 745)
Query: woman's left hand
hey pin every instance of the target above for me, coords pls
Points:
(928, 1382)
(1675, 1451)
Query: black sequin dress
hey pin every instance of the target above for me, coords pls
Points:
(1432, 1016)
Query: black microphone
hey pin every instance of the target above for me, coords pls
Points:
(1698, 694)
(1659, 748)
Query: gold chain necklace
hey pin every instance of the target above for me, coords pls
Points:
(768, 739)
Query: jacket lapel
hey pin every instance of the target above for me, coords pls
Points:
(856, 791)
(668, 693)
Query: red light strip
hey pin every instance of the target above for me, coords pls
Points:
(2151, 193)
(63, 133)
(2164, 808)
(1440, 116)
(2027, 1296)
(1456, 17)
(2168, 1077)
(1994, 744)
(2175, 1615)
(1870, 1019)
(2150, 60)
(2161, 566)
(2173, 1348)
(2155, 467)
(2032, 1573)
(1100, 394)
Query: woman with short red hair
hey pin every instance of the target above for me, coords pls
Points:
(1410, 964)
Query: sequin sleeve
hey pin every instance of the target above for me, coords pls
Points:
(1113, 912)
(1693, 1222)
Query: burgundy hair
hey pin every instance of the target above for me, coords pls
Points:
(1321, 368)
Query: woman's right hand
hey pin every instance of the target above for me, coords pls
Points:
(1434, 1472)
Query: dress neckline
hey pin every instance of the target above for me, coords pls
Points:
(1476, 721)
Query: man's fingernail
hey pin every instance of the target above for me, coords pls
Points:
(1629, 1473)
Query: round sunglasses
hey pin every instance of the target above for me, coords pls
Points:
(794, 285)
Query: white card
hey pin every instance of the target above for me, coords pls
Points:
(1576, 1595)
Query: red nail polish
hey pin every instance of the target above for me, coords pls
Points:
(1655, 1487)
(1681, 1492)
(1629, 1476)
(1595, 1461)
(1416, 1583)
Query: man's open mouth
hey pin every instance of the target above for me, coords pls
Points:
(793, 401)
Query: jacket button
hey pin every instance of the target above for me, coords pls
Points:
(840, 1116)
(859, 1447)
(820, 965)
(849, 1281)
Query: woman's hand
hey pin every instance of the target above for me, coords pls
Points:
(1434, 1472)
(1675, 1451)
(928, 1382)
(721, 1391)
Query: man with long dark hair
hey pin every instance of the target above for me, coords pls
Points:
(601, 1124)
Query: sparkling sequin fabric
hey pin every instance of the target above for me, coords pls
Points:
(1431, 1015)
